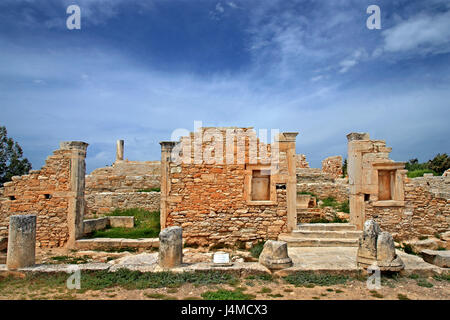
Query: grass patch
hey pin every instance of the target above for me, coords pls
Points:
(150, 190)
(146, 225)
(304, 278)
(223, 294)
(261, 277)
(265, 290)
(309, 193)
(256, 250)
(101, 280)
(408, 248)
(424, 283)
(442, 277)
(276, 295)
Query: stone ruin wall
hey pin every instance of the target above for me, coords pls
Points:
(50, 193)
(333, 166)
(301, 161)
(208, 202)
(426, 211)
(412, 209)
(105, 202)
(118, 186)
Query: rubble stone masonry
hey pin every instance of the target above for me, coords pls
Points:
(55, 194)
(212, 202)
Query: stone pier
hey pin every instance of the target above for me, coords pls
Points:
(21, 242)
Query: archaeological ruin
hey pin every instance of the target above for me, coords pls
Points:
(226, 188)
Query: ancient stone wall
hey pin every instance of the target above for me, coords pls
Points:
(301, 161)
(212, 202)
(426, 211)
(125, 176)
(333, 166)
(322, 184)
(104, 202)
(55, 194)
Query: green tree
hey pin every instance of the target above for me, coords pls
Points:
(344, 168)
(12, 162)
(440, 163)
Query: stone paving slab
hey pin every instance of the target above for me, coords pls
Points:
(338, 260)
(343, 260)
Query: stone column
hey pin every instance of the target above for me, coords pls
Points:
(354, 170)
(287, 143)
(77, 185)
(166, 150)
(21, 241)
(171, 247)
(119, 150)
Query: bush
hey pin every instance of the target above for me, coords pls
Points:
(420, 173)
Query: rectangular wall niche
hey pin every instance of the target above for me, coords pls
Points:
(385, 184)
(260, 190)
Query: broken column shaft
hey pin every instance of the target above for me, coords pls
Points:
(21, 241)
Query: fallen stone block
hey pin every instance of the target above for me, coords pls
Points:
(440, 258)
(21, 241)
(121, 222)
(275, 255)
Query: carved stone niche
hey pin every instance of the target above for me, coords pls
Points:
(388, 184)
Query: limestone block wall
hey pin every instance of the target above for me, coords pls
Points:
(322, 184)
(211, 202)
(426, 211)
(333, 166)
(125, 176)
(55, 194)
(104, 202)
(301, 161)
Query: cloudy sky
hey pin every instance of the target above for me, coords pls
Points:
(138, 70)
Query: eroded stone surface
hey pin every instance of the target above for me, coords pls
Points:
(377, 248)
(440, 258)
(21, 241)
(275, 255)
(171, 247)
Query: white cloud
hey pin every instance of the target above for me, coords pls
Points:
(348, 63)
(423, 33)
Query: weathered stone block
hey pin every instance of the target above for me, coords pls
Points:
(171, 247)
(21, 241)
(121, 222)
(440, 258)
(275, 255)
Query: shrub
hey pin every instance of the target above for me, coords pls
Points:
(303, 278)
(223, 294)
(257, 249)
(420, 173)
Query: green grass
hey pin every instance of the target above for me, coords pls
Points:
(146, 225)
(257, 249)
(442, 277)
(100, 280)
(265, 290)
(159, 296)
(307, 192)
(223, 294)
(150, 190)
(307, 278)
(424, 283)
(261, 277)
(420, 173)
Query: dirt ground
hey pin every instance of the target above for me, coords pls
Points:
(277, 288)
(403, 288)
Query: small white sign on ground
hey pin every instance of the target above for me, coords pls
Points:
(221, 258)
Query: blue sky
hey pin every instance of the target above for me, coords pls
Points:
(138, 70)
